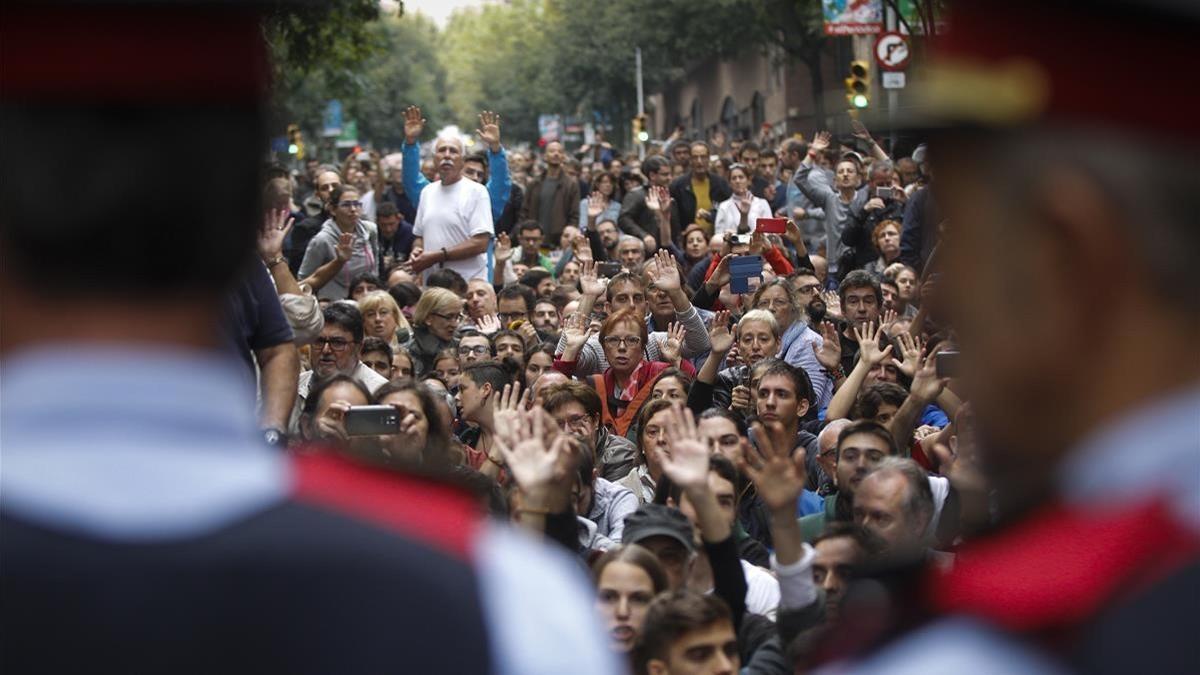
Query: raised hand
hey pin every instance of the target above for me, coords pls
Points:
(489, 129)
(504, 247)
(652, 199)
(536, 466)
(719, 335)
(488, 324)
(887, 319)
(663, 273)
(720, 275)
(663, 197)
(926, 385)
(868, 344)
(757, 242)
(795, 236)
(345, 246)
(820, 141)
(743, 203)
(506, 412)
(670, 347)
(910, 352)
(276, 225)
(873, 204)
(833, 304)
(687, 462)
(576, 334)
(829, 354)
(582, 249)
(860, 131)
(589, 284)
(596, 205)
(414, 124)
(778, 475)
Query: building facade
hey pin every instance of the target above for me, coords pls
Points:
(738, 96)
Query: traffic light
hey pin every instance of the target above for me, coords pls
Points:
(640, 134)
(295, 141)
(858, 85)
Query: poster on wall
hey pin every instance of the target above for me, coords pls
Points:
(852, 17)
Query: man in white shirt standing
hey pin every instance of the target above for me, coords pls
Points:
(454, 218)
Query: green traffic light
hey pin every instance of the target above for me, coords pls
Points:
(293, 149)
(860, 101)
(643, 136)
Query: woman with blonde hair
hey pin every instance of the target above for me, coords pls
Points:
(435, 319)
(383, 319)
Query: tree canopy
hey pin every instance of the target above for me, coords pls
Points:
(521, 59)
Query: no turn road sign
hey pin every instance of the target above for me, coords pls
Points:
(891, 51)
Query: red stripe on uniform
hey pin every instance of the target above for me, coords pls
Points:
(438, 515)
(1060, 566)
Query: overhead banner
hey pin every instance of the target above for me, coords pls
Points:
(853, 17)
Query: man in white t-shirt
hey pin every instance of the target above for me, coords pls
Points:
(454, 218)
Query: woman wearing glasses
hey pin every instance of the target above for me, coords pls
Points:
(435, 319)
(345, 237)
(629, 380)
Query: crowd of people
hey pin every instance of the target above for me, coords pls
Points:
(464, 407)
(561, 332)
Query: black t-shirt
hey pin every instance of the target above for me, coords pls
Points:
(254, 319)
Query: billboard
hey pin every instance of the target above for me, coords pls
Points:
(852, 17)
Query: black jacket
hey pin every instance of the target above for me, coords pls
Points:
(685, 200)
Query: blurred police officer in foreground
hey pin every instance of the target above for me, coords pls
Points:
(146, 526)
(1071, 189)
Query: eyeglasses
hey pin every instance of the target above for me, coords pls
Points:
(574, 421)
(453, 318)
(809, 288)
(623, 340)
(336, 344)
(478, 350)
(350, 205)
(509, 317)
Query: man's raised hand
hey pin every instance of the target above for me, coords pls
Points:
(276, 225)
(820, 141)
(687, 462)
(829, 354)
(778, 475)
(414, 124)
(489, 129)
(719, 335)
(868, 344)
(663, 273)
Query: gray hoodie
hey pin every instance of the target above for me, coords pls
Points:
(323, 248)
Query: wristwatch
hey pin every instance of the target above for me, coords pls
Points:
(275, 438)
(276, 260)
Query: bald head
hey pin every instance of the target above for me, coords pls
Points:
(827, 442)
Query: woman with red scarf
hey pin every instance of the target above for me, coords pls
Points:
(628, 382)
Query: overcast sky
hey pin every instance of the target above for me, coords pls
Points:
(438, 10)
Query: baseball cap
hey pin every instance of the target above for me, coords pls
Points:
(652, 520)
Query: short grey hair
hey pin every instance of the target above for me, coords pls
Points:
(626, 238)
(919, 504)
(761, 316)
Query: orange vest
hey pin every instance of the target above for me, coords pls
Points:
(620, 424)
